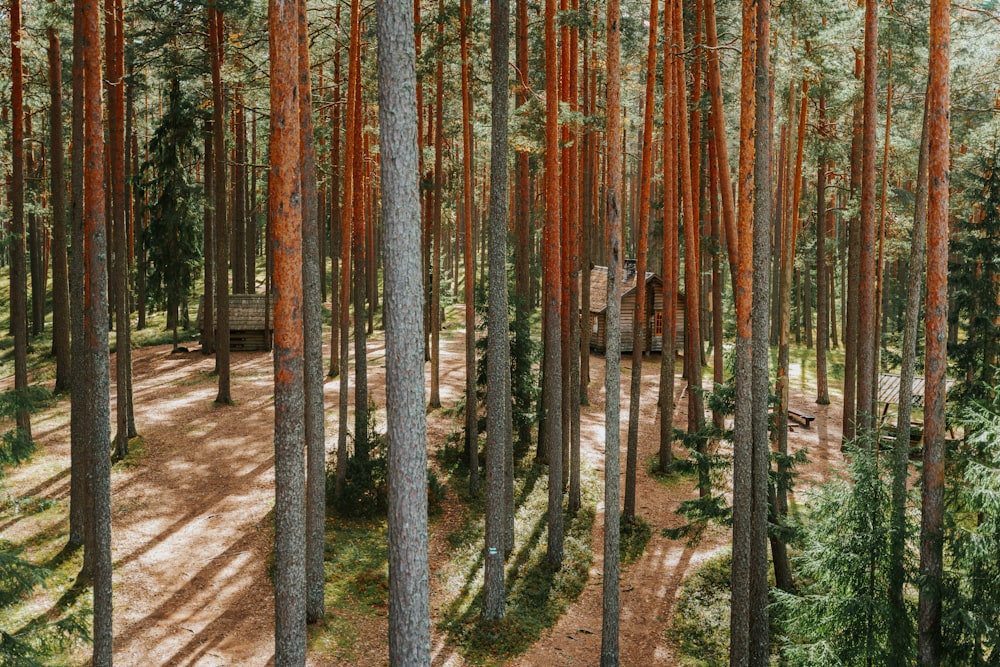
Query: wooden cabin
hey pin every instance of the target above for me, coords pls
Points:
(251, 326)
(654, 309)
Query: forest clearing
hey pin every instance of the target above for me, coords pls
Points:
(192, 536)
(544, 332)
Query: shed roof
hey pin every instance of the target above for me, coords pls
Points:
(599, 287)
(888, 389)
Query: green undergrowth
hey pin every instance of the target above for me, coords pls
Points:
(357, 585)
(699, 630)
(536, 594)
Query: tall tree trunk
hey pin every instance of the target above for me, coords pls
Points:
(498, 355)
(471, 403)
(216, 34)
(612, 376)
(901, 639)
(719, 137)
(208, 235)
(936, 330)
(18, 269)
(574, 272)
(242, 271)
(79, 514)
(337, 247)
(866, 280)
(115, 53)
(883, 213)
(312, 321)
(797, 111)
(435, 351)
(761, 309)
(587, 221)
(409, 605)
(853, 273)
(60, 277)
(639, 314)
(95, 365)
(822, 290)
(718, 362)
(346, 250)
(692, 281)
(668, 356)
(743, 468)
(285, 211)
(523, 237)
(552, 394)
(359, 251)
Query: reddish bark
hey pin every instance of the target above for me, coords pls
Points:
(936, 333)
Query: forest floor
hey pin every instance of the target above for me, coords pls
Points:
(192, 514)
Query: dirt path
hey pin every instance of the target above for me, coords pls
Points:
(191, 533)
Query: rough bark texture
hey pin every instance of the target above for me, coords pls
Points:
(853, 270)
(719, 137)
(285, 211)
(612, 376)
(866, 280)
(18, 269)
(96, 364)
(822, 289)
(761, 310)
(115, 53)
(79, 489)
(312, 320)
(358, 243)
(471, 403)
(208, 242)
(523, 237)
(552, 390)
(215, 32)
(670, 218)
(574, 243)
(60, 276)
(409, 605)
(739, 647)
(642, 232)
(336, 223)
(435, 305)
(901, 640)
(498, 355)
(936, 332)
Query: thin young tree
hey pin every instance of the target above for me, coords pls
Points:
(95, 364)
(471, 403)
(57, 170)
(208, 241)
(409, 594)
(435, 236)
(822, 288)
(312, 319)
(936, 336)
(498, 355)
(639, 315)
(612, 376)
(285, 213)
(114, 36)
(866, 282)
(671, 210)
(902, 638)
(216, 45)
(552, 390)
(18, 270)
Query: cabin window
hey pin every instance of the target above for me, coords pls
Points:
(658, 324)
(593, 323)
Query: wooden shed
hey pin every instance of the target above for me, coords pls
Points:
(654, 309)
(251, 325)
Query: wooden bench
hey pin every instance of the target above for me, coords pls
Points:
(800, 417)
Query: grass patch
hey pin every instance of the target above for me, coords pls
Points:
(683, 472)
(357, 585)
(536, 594)
(700, 626)
(633, 540)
